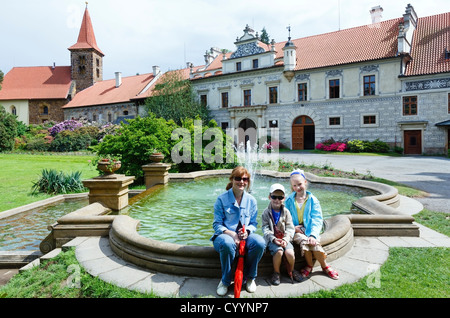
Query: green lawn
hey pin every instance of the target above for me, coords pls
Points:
(19, 171)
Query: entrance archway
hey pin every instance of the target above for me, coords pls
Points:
(247, 132)
(303, 133)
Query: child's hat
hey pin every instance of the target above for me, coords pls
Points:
(275, 187)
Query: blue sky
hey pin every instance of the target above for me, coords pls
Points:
(137, 34)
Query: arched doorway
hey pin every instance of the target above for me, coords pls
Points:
(303, 133)
(247, 132)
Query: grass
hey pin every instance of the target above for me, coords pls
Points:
(19, 171)
(408, 273)
(63, 277)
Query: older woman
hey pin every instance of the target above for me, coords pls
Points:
(234, 209)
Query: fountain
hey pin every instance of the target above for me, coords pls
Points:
(381, 218)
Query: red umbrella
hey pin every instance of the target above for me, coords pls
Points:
(239, 274)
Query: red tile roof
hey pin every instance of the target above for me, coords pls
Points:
(430, 40)
(42, 82)
(86, 37)
(359, 44)
(106, 92)
(183, 73)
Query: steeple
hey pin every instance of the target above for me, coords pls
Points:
(86, 58)
(86, 37)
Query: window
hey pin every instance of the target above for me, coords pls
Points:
(224, 125)
(273, 124)
(255, 63)
(225, 99)
(369, 85)
(273, 95)
(335, 121)
(369, 120)
(14, 110)
(247, 97)
(238, 66)
(302, 92)
(334, 88)
(203, 100)
(449, 105)
(409, 105)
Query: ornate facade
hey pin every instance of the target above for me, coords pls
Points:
(369, 82)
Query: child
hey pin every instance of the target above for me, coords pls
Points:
(307, 217)
(278, 231)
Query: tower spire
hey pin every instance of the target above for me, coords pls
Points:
(86, 37)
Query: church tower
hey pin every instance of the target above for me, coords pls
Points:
(85, 56)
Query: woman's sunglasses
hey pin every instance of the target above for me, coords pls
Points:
(279, 197)
(238, 179)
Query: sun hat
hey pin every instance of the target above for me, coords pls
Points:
(276, 186)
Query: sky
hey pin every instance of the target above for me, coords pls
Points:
(135, 35)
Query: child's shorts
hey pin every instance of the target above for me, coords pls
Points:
(273, 248)
(301, 240)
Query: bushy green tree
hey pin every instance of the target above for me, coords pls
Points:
(8, 130)
(134, 142)
(173, 98)
(264, 36)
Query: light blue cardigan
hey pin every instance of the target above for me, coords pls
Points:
(312, 215)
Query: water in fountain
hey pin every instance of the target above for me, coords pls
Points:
(249, 157)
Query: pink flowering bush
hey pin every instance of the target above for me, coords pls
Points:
(331, 145)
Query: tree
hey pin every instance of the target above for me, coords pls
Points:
(173, 98)
(8, 129)
(1, 78)
(265, 36)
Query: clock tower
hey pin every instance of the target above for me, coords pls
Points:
(85, 56)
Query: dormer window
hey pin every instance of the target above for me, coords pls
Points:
(447, 54)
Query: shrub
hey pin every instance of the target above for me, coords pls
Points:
(368, 146)
(70, 141)
(8, 130)
(70, 125)
(53, 182)
(37, 144)
(134, 140)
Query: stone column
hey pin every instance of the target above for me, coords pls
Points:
(156, 172)
(110, 190)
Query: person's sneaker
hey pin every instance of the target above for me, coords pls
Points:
(250, 286)
(222, 290)
(275, 279)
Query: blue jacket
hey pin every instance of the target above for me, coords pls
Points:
(227, 213)
(312, 215)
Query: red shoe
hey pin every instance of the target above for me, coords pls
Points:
(330, 272)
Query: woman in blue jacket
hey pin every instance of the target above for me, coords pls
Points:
(234, 209)
(308, 221)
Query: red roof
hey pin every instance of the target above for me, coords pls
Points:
(106, 92)
(41, 82)
(431, 39)
(86, 37)
(183, 74)
(359, 44)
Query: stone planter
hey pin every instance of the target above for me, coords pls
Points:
(107, 167)
(156, 157)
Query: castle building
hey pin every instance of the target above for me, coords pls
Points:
(37, 94)
(389, 80)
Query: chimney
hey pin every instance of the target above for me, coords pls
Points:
(375, 13)
(118, 79)
(406, 30)
(156, 70)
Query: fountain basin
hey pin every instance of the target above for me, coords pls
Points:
(337, 238)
